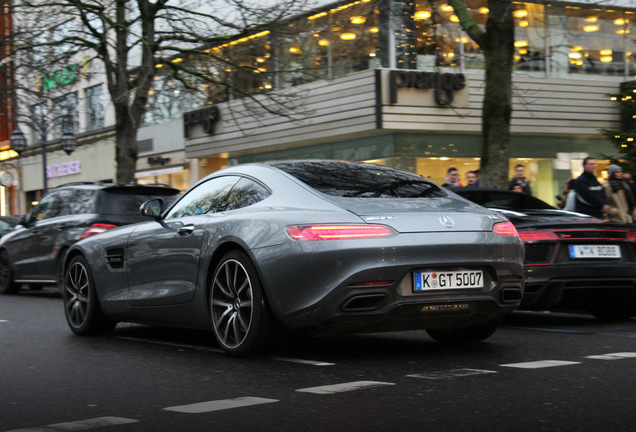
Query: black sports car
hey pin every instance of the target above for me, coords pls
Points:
(322, 246)
(572, 261)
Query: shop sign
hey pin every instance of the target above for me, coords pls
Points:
(207, 117)
(63, 169)
(444, 85)
(60, 77)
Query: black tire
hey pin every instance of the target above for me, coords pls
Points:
(474, 333)
(7, 284)
(241, 320)
(81, 305)
(613, 313)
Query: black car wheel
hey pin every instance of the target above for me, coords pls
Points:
(241, 320)
(81, 306)
(474, 333)
(7, 285)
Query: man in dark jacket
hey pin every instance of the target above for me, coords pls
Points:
(590, 196)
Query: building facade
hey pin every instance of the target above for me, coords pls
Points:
(393, 82)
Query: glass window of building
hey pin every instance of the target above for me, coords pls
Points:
(94, 107)
(65, 114)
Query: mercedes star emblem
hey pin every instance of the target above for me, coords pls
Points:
(446, 221)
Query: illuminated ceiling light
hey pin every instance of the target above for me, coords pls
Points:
(521, 13)
(295, 49)
(521, 44)
(523, 23)
(320, 15)
(523, 51)
(605, 52)
(422, 15)
(462, 40)
(483, 10)
(619, 21)
(260, 59)
(177, 60)
(348, 36)
(372, 54)
(158, 66)
(454, 18)
(622, 31)
(151, 92)
(358, 20)
(590, 28)
(575, 55)
(447, 8)
(373, 30)
(591, 19)
(606, 59)
(576, 48)
(323, 42)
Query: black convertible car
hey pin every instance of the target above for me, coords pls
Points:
(572, 261)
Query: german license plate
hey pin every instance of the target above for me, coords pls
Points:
(595, 251)
(436, 280)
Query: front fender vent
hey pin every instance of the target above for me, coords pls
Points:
(115, 258)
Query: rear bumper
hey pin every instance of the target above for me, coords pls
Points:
(569, 285)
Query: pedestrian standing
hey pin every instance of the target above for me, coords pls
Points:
(619, 196)
(452, 178)
(590, 195)
(472, 178)
(520, 180)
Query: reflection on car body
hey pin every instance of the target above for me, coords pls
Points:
(318, 246)
(572, 260)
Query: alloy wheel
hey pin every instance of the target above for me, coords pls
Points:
(232, 303)
(77, 294)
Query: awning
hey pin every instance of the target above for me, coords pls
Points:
(159, 171)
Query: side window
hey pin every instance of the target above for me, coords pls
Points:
(64, 199)
(205, 198)
(48, 207)
(245, 193)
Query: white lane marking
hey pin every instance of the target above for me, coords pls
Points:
(4, 320)
(219, 405)
(302, 361)
(540, 364)
(344, 387)
(80, 425)
(176, 345)
(613, 356)
(451, 373)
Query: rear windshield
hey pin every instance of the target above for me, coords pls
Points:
(128, 200)
(359, 180)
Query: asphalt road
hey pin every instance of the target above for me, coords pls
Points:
(539, 372)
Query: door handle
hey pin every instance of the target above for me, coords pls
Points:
(185, 230)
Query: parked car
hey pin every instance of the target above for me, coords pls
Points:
(572, 261)
(7, 223)
(321, 246)
(32, 254)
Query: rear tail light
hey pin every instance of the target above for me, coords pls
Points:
(505, 228)
(631, 235)
(538, 235)
(96, 229)
(339, 232)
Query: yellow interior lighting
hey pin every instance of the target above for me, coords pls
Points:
(521, 44)
(591, 19)
(619, 21)
(373, 29)
(523, 23)
(348, 36)
(590, 28)
(484, 10)
(521, 13)
(606, 59)
(606, 52)
(358, 20)
(422, 15)
(447, 8)
(454, 18)
(323, 42)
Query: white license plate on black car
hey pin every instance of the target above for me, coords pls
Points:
(595, 251)
(436, 280)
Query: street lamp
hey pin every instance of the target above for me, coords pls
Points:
(19, 142)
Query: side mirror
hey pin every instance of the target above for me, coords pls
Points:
(152, 208)
(25, 220)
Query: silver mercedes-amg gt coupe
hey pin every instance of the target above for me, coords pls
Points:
(323, 247)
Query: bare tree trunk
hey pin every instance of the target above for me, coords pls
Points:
(498, 48)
